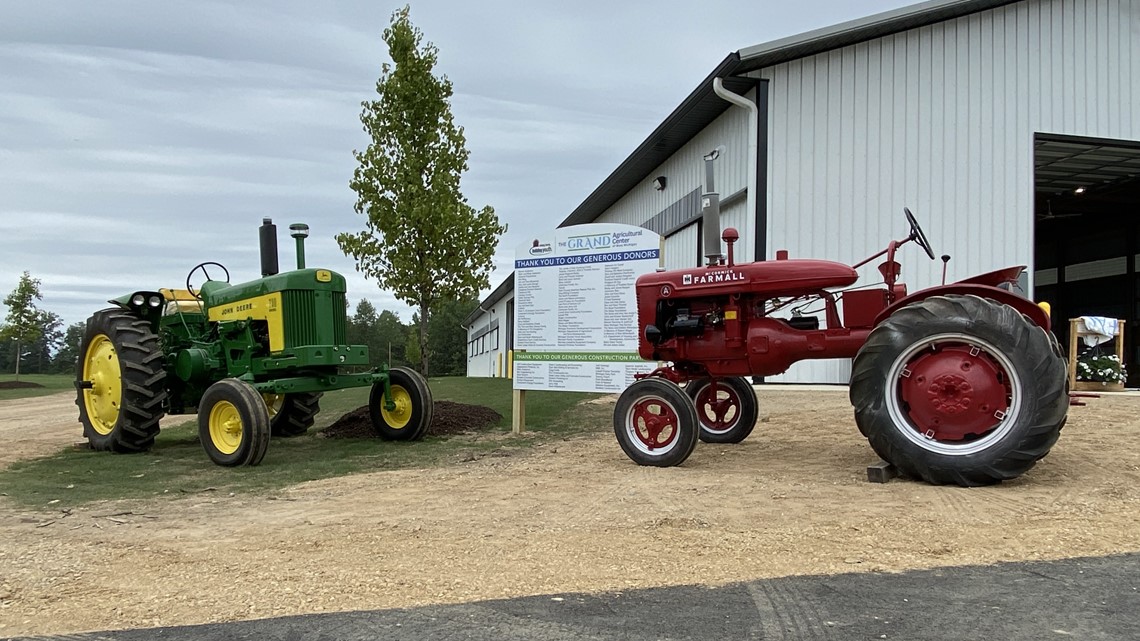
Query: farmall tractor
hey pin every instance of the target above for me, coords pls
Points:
(960, 383)
(252, 359)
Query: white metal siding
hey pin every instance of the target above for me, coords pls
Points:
(941, 119)
(681, 248)
(490, 357)
(738, 216)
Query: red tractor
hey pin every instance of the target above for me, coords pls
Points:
(960, 383)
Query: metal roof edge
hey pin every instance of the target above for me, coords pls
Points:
(596, 202)
(861, 30)
(495, 296)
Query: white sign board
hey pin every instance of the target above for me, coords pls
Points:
(576, 307)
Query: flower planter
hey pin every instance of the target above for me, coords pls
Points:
(1093, 386)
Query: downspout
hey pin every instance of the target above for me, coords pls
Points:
(753, 128)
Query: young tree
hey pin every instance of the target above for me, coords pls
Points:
(24, 321)
(421, 239)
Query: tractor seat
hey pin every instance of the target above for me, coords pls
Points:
(180, 301)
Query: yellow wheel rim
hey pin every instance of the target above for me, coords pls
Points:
(103, 398)
(399, 417)
(225, 427)
(273, 403)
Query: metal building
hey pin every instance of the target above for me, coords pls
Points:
(1010, 128)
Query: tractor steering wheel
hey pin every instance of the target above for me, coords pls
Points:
(916, 233)
(202, 266)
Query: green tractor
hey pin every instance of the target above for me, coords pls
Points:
(252, 359)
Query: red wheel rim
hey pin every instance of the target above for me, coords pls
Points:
(954, 392)
(718, 407)
(654, 423)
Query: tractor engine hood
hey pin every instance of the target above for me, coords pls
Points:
(770, 278)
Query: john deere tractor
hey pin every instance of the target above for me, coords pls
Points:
(252, 359)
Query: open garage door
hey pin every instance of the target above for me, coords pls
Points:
(1087, 233)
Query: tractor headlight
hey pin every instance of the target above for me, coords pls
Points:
(154, 301)
(138, 299)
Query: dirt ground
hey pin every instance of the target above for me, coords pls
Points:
(571, 516)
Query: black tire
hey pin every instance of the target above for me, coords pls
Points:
(959, 389)
(731, 417)
(233, 423)
(120, 382)
(655, 423)
(412, 416)
(292, 414)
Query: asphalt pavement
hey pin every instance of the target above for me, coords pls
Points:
(1088, 599)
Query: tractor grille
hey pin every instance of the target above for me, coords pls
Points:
(313, 317)
(339, 318)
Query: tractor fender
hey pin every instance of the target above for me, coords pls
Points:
(1023, 305)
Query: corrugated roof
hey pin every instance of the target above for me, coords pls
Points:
(701, 107)
(861, 30)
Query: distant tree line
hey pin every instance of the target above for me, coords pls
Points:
(34, 341)
(391, 341)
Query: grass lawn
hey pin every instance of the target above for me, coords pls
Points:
(176, 464)
(52, 384)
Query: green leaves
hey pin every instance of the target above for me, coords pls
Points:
(421, 239)
(24, 321)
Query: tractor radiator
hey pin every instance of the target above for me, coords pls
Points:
(314, 317)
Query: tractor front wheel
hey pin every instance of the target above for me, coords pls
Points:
(233, 423)
(292, 414)
(411, 417)
(960, 390)
(655, 423)
(120, 382)
(728, 412)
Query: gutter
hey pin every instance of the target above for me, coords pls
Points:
(753, 127)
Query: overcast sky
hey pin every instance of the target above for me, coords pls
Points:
(139, 138)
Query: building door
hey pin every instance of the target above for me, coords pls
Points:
(1087, 234)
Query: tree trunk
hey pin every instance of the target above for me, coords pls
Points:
(423, 338)
(17, 360)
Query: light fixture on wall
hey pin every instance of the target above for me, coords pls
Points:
(659, 183)
(1079, 190)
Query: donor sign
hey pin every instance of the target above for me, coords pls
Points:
(576, 307)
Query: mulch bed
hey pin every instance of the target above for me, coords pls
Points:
(447, 418)
(18, 385)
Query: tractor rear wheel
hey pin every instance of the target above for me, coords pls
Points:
(233, 423)
(730, 414)
(292, 414)
(410, 419)
(959, 389)
(655, 423)
(120, 382)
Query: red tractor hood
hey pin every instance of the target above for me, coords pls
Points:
(774, 278)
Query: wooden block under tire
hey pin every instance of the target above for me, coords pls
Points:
(881, 472)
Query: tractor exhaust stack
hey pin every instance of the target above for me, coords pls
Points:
(268, 235)
(710, 211)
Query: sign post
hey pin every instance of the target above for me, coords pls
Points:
(576, 310)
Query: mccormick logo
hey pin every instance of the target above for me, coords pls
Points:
(538, 249)
(713, 278)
